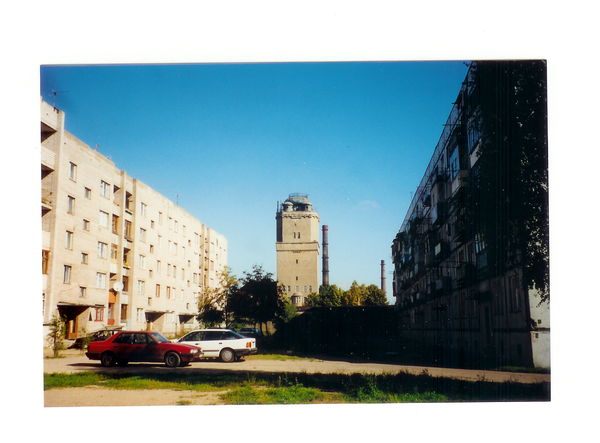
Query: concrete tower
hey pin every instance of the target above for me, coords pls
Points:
(297, 247)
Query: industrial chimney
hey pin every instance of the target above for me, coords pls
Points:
(383, 276)
(325, 257)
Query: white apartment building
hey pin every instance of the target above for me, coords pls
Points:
(116, 253)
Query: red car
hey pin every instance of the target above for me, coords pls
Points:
(142, 346)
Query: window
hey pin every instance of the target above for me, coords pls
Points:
(100, 280)
(69, 240)
(151, 249)
(196, 238)
(104, 189)
(168, 292)
(73, 171)
(88, 193)
(142, 261)
(152, 224)
(453, 165)
(115, 224)
(84, 258)
(176, 226)
(181, 295)
(99, 314)
(139, 315)
(168, 269)
(474, 133)
(82, 291)
(515, 293)
(102, 250)
(158, 266)
(159, 241)
(70, 205)
(127, 227)
(143, 209)
(125, 283)
(141, 287)
(67, 274)
(113, 251)
(150, 273)
(143, 235)
(45, 261)
(160, 218)
(103, 221)
(86, 225)
(184, 230)
(157, 292)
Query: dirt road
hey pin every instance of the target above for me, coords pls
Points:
(75, 361)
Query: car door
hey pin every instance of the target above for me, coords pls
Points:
(145, 348)
(212, 343)
(195, 339)
(123, 346)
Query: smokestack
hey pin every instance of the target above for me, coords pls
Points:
(325, 257)
(383, 276)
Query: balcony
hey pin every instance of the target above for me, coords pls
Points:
(48, 159)
(457, 181)
(465, 274)
(441, 251)
(46, 201)
(438, 213)
(442, 286)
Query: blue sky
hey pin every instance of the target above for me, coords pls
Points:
(234, 139)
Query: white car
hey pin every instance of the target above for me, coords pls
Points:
(225, 344)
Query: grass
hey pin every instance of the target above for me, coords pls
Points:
(304, 388)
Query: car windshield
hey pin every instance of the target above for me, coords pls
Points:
(159, 338)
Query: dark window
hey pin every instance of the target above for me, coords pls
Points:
(124, 339)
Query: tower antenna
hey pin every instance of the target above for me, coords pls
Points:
(54, 96)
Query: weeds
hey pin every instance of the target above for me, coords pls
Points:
(304, 388)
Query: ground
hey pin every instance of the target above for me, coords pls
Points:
(75, 361)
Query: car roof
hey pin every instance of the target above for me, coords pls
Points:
(212, 329)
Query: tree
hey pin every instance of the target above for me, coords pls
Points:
(56, 335)
(355, 295)
(329, 295)
(374, 296)
(258, 300)
(212, 302)
(508, 195)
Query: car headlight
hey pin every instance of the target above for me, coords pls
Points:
(194, 351)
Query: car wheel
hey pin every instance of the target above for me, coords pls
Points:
(108, 359)
(172, 360)
(227, 355)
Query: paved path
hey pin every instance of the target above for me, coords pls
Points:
(75, 361)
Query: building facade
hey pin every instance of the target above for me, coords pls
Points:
(297, 247)
(116, 253)
(454, 295)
